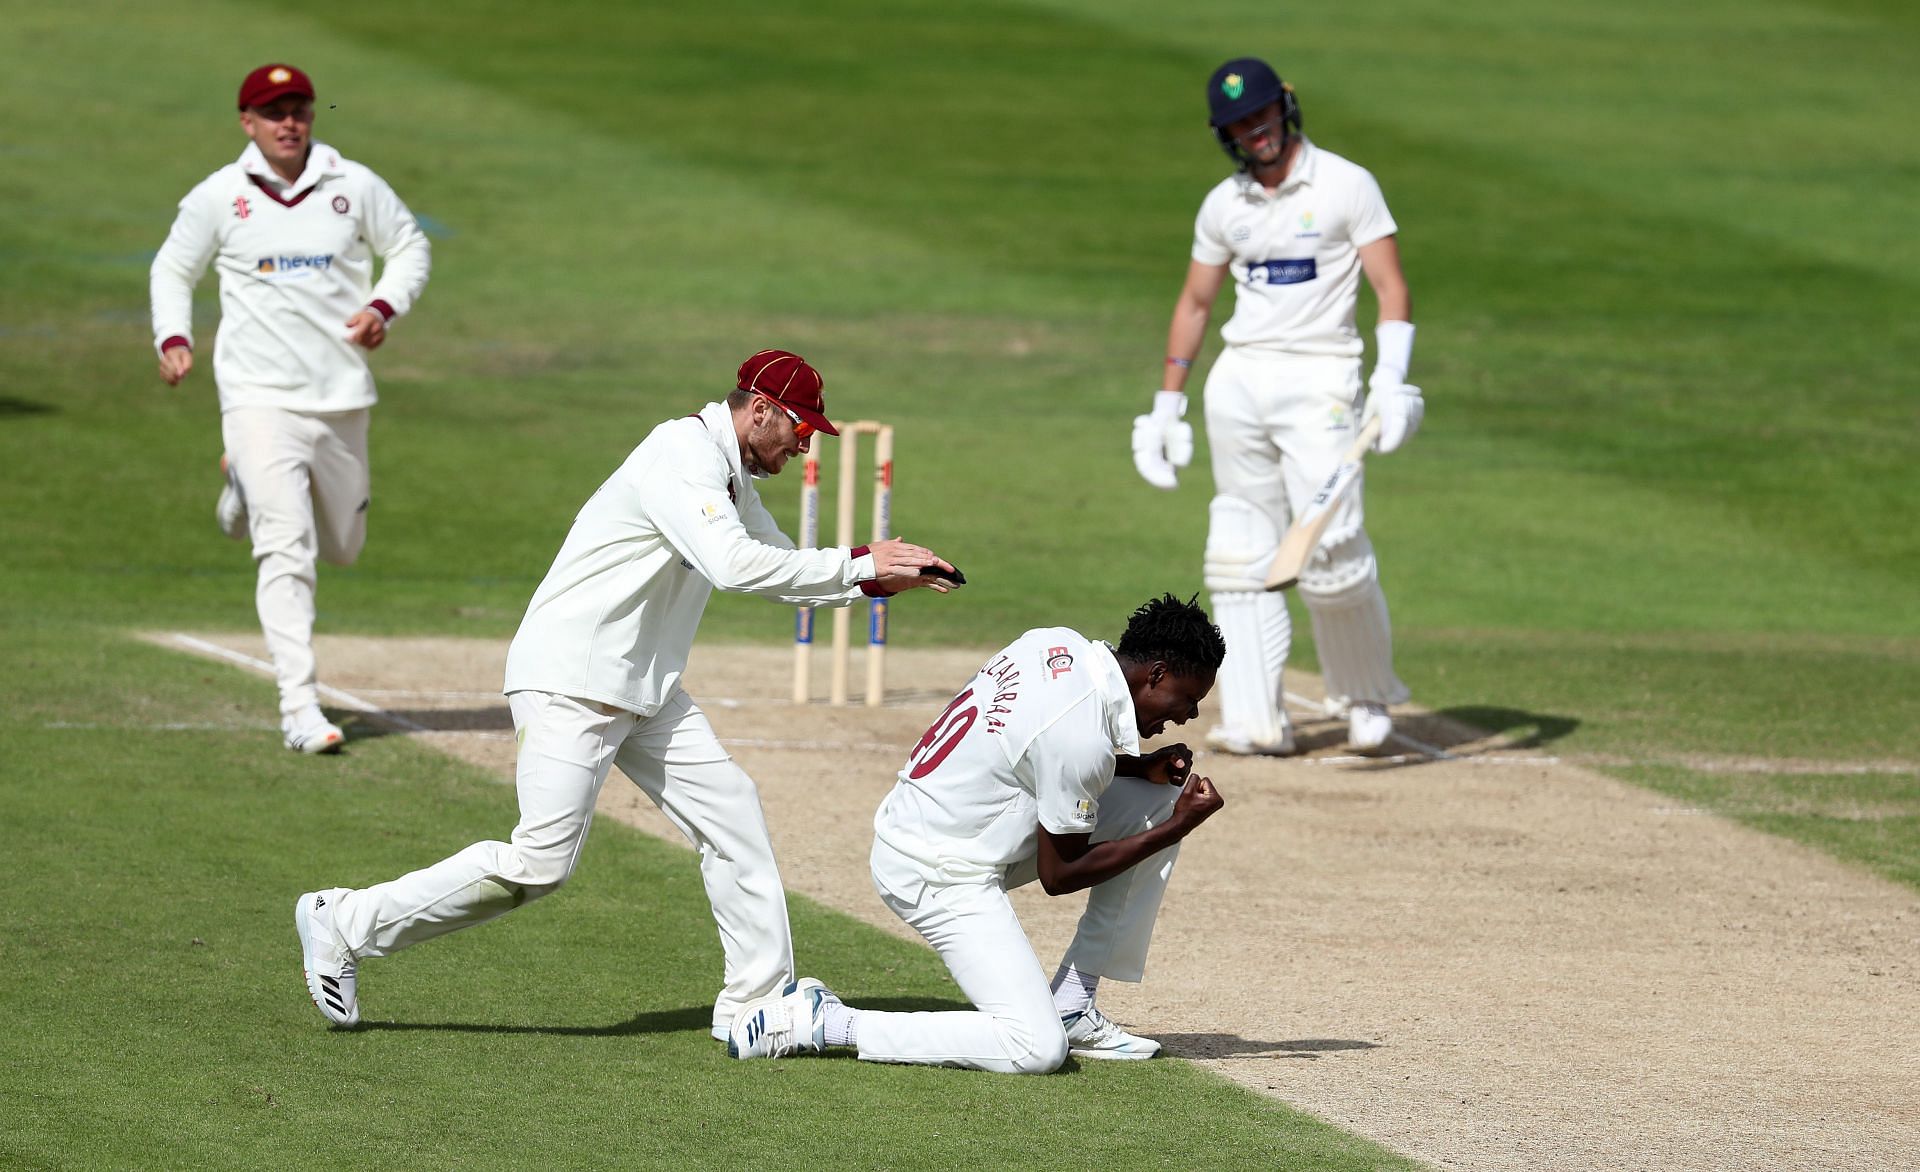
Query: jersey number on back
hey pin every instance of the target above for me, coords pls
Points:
(942, 736)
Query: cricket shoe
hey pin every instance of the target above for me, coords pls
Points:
(231, 509)
(329, 967)
(309, 731)
(1368, 726)
(1092, 1034)
(1228, 740)
(793, 1021)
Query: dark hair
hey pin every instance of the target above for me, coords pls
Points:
(738, 398)
(1179, 633)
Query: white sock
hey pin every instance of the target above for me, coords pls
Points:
(842, 1025)
(1073, 990)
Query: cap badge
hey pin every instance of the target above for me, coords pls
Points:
(1233, 85)
(279, 76)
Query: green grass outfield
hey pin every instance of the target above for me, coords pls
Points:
(1661, 511)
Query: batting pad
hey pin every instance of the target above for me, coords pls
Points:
(1355, 640)
(1258, 634)
(1241, 541)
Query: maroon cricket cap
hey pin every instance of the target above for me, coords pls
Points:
(790, 381)
(268, 82)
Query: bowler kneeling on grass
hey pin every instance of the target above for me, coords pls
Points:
(1032, 772)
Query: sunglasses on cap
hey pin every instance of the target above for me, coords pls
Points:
(801, 428)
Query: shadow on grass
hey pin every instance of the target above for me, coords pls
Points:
(696, 1018)
(1514, 727)
(11, 407)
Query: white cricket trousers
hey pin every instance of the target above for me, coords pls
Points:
(1014, 1028)
(1277, 425)
(306, 482)
(566, 749)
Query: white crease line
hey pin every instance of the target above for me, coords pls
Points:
(1418, 758)
(332, 693)
(168, 726)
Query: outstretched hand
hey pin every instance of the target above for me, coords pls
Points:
(897, 564)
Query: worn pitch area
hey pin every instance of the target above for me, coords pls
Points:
(1484, 957)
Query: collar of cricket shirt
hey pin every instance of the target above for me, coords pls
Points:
(1301, 175)
(718, 418)
(1115, 697)
(322, 161)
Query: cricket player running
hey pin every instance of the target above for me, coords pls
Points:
(1033, 771)
(1296, 226)
(293, 229)
(593, 680)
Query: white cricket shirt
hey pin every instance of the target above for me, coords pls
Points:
(615, 617)
(1030, 742)
(1294, 255)
(295, 262)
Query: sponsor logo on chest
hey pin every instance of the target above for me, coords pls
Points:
(1286, 270)
(287, 265)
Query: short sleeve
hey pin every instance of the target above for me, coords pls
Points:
(1209, 235)
(1369, 220)
(1069, 766)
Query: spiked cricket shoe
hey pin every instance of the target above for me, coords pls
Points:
(330, 970)
(793, 1021)
(309, 731)
(231, 509)
(1368, 726)
(1092, 1034)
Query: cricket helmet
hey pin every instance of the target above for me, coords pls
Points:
(1244, 86)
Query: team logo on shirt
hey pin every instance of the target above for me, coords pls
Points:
(1059, 662)
(1084, 809)
(1290, 270)
(340, 204)
(1306, 231)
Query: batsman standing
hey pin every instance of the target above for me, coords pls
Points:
(1033, 772)
(1295, 227)
(593, 680)
(293, 229)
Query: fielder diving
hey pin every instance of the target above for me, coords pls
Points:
(1032, 772)
(1295, 227)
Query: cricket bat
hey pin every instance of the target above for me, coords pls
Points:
(1311, 522)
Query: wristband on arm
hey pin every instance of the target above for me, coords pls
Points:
(1394, 351)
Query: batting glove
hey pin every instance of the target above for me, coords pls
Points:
(1400, 409)
(1163, 441)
